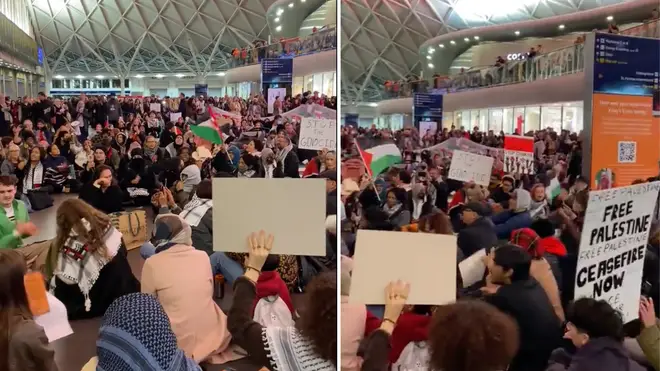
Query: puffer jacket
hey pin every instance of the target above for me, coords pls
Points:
(599, 354)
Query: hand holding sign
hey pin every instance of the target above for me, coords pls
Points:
(470, 167)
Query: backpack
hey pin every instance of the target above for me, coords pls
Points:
(414, 357)
(271, 311)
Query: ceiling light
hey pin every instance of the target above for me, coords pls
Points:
(430, 65)
(609, 18)
(159, 76)
(452, 42)
(280, 11)
(442, 45)
(561, 26)
(139, 76)
(372, 104)
(278, 28)
(476, 37)
(291, 5)
(466, 39)
(180, 75)
(59, 76)
(311, 79)
(80, 77)
(302, 1)
(431, 50)
(277, 19)
(99, 76)
(428, 57)
(517, 33)
(221, 73)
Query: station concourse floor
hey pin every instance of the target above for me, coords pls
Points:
(74, 351)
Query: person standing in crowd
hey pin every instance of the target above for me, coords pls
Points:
(479, 231)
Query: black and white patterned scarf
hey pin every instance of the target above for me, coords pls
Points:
(195, 210)
(288, 350)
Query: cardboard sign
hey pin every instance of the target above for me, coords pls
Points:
(425, 260)
(154, 107)
(293, 210)
(55, 323)
(274, 93)
(473, 268)
(175, 116)
(318, 134)
(613, 245)
(35, 288)
(470, 167)
(516, 162)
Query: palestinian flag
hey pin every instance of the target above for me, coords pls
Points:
(553, 190)
(378, 154)
(215, 129)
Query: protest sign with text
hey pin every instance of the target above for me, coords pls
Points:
(613, 246)
(317, 134)
(470, 167)
(154, 107)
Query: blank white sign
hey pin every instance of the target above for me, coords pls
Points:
(425, 260)
(293, 210)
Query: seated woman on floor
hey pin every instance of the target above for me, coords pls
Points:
(57, 169)
(310, 345)
(102, 192)
(180, 277)
(87, 263)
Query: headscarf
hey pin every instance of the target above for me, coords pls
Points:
(136, 334)
(170, 230)
(523, 199)
(529, 241)
(235, 156)
(191, 176)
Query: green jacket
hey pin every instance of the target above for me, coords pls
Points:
(8, 240)
(649, 341)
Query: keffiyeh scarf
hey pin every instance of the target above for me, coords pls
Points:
(77, 265)
(195, 210)
(34, 178)
(281, 154)
(136, 335)
(288, 350)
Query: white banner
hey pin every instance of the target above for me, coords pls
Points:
(470, 167)
(174, 116)
(318, 134)
(154, 107)
(613, 245)
(427, 126)
(516, 162)
(274, 93)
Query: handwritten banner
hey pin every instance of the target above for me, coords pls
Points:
(469, 167)
(318, 134)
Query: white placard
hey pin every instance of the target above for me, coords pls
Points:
(516, 162)
(613, 245)
(473, 268)
(175, 116)
(470, 167)
(425, 126)
(301, 232)
(55, 323)
(425, 260)
(154, 107)
(318, 134)
(274, 93)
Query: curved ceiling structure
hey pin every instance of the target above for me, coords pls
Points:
(441, 51)
(381, 39)
(286, 16)
(122, 37)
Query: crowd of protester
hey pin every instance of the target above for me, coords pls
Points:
(119, 154)
(522, 315)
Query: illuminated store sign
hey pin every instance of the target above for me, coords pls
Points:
(516, 56)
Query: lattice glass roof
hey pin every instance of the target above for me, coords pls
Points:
(124, 37)
(381, 38)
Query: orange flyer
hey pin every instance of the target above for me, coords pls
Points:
(35, 288)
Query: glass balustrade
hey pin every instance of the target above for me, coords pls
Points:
(560, 62)
(322, 40)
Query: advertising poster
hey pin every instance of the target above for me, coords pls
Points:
(427, 107)
(613, 246)
(625, 126)
(274, 93)
(274, 71)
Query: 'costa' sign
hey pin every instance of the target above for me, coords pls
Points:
(516, 56)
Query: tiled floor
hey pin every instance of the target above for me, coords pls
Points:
(72, 352)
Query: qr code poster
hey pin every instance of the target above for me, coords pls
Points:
(516, 162)
(627, 152)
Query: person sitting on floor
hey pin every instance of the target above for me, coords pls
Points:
(87, 263)
(180, 277)
(102, 192)
(136, 331)
(311, 344)
(272, 304)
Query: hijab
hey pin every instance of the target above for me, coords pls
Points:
(170, 230)
(523, 200)
(136, 334)
(191, 176)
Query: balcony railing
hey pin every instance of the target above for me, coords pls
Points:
(560, 62)
(322, 40)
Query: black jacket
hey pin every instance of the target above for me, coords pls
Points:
(288, 168)
(478, 235)
(108, 202)
(539, 328)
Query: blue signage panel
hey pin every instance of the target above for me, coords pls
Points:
(275, 71)
(201, 89)
(352, 119)
(40, 56)
(626, 65)
(427, 105)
